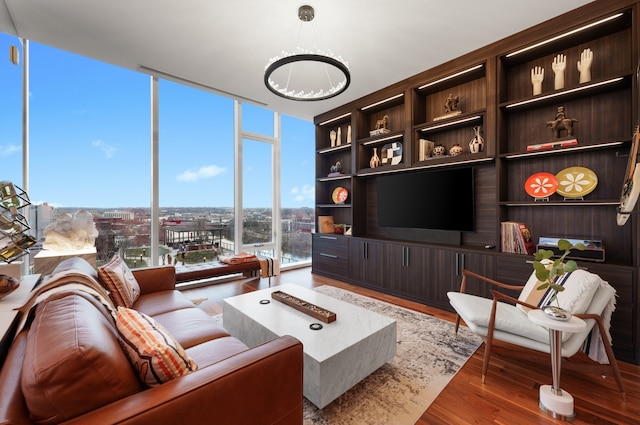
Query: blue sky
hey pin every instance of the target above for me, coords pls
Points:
(90, 139)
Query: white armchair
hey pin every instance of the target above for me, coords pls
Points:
(504, 318)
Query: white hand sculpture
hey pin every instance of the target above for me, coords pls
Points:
(537, 75)
(584, 65)
(559, 65)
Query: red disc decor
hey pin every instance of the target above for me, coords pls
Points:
(339, 195)
(541, 185)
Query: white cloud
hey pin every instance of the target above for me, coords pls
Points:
(107, 149)
(204, 172)
(302, 194)
(6, 150)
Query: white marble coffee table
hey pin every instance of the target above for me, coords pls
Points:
(336, 357)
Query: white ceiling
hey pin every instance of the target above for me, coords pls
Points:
(225, 45)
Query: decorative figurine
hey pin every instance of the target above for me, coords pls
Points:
(381, 126)
(477, 143)
(561, 123)
(339, 137)
(559, 65)
(349, 134)
(451, 104)
(336, 168)
(332, 137)
(537, 75)
(584, 65)
(450, 107)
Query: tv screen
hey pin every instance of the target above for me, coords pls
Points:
(435, 199)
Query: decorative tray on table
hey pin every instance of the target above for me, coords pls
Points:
(305, 307)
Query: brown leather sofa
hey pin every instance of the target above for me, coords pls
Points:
(85, 377)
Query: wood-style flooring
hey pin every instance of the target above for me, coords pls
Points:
(510, 392)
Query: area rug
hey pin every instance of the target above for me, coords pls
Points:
(428, 356)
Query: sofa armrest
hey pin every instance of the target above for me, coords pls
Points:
(259, 385)
(156, 278)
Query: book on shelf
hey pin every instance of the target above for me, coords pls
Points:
(516, 238)
(326, 224)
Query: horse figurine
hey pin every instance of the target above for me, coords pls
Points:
(561, 123)
(382, 124)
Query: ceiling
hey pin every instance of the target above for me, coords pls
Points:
(225, 45)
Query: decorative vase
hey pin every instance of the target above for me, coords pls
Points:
(477, 143)
(556, 313)
(375, 159)
(349, 134)
(455, 150)
(339, 137)
(439, 150)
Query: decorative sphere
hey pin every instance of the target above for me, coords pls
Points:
(455, 150)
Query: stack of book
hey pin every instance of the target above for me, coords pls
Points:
(516, 238)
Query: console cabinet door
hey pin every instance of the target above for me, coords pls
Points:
(404, 270)
(443, 273)
(366, 266)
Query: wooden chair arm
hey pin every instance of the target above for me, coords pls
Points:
(499, 296)
(466, 273)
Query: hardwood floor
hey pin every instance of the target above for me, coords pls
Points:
(510, 393)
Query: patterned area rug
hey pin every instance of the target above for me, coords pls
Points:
(428, 356)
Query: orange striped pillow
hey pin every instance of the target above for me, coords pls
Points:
(152, 351)
(118, 279)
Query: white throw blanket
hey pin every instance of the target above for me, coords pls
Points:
(593, 345)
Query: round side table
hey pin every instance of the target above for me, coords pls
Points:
(553, 400)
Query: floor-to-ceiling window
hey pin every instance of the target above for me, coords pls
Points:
(258, 158)
(90, 149)
(297, 189)
(89, 146)
(196, 174)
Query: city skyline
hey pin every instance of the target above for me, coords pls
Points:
(90, 139)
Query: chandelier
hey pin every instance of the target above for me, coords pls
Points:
(307, 75)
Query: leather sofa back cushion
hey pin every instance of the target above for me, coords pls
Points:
(73, 362)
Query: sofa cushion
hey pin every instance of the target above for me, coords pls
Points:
(73, 362)
(216, 350)
(120, 282)
(159, 302)
(191, 326)
(152, 351)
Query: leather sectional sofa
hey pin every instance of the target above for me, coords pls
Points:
(67, 365)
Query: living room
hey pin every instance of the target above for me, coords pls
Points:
(254, 142)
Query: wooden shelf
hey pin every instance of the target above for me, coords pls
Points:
(563, 151)
(333, 149)
(555, 97)
(334, 178)
(567, 203)
(378, 140)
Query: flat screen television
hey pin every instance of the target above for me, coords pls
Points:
(432, 199)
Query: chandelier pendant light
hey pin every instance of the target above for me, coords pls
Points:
(307, 75)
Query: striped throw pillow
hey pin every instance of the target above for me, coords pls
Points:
(155, 355)
(118, 279)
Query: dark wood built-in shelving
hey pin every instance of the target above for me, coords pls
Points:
(495, 91)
